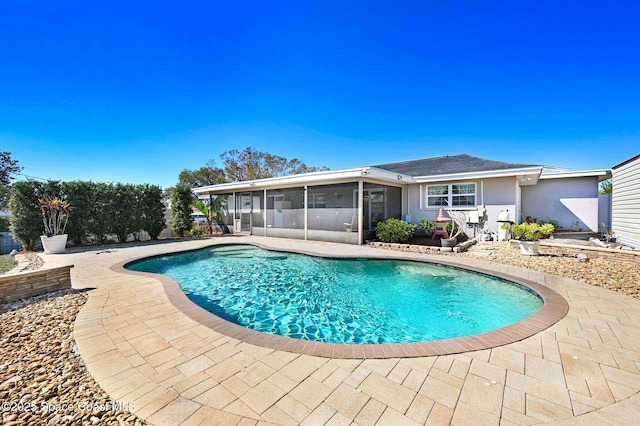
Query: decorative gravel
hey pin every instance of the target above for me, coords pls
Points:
(621, 277)
(43, 380)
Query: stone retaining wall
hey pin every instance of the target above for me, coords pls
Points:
(616, 255)
(422, 249)
(34, 283)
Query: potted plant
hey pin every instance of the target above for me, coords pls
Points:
(455, 228)
(528, 235)
(55, 213)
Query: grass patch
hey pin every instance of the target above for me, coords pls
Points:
(7, 263)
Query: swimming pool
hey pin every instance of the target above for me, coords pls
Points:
(355, 301)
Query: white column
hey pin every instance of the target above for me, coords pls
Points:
(306, 207)
(360, 210)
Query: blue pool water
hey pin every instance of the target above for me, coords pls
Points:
(343, 301)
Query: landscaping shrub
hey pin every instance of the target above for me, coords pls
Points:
(82, 195)
(4, 224)
(197, 231)
(99, 212)
(427, 226)
(151, 210)
(26, 216)
(394, 231)
(181, 200)
(97, 209)
(462, 236)
(123, 220)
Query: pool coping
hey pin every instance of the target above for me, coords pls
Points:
(555, 308)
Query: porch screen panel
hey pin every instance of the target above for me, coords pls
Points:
(285, 208)
(228, 210)
(257, 209)
(381, 202)
(394, 202)
(331, 207)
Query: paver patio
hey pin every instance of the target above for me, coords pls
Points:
(142, 349)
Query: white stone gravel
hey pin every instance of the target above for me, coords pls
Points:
(43, 380)
(622, 277)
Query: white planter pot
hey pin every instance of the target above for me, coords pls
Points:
(529, 248)
(54, 243)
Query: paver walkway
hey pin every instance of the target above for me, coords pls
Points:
(141, 349)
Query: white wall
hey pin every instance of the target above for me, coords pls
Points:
(573, 202)
(495, 194)
(625, 202)
(604, 210)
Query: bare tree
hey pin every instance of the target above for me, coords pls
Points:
(251, 164)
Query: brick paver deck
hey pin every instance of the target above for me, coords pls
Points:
(143, 349)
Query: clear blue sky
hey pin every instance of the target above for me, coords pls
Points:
(136, 91)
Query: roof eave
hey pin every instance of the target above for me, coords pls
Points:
(307, 178)
(602, 174)
(534, 171)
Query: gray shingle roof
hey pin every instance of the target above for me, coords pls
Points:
(448, 164)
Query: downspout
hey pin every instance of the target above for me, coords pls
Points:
(408, 213)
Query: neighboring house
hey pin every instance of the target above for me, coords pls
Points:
(327, 205)
(625, 202)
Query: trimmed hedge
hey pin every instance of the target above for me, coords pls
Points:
(98, 210)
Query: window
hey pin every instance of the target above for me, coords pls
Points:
(317, 201)
(464, 194)
(437, 195)
(453, 195)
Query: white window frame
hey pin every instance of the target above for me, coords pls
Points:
(449, 195)
(317, 200)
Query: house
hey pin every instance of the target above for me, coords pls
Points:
(346, 205)
(625, 202)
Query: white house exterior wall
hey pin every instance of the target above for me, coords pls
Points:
(500, 195)
(625, 219)
(495, 195)
(573, 202)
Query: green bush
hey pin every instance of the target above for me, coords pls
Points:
(97, 209)
(197, 231)
(4, 224)
(26, 217)
(461, 236)
(151, 210)
(181, 200)
(394, 231)
(531, 231)
(82, 195)
(427, 226)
